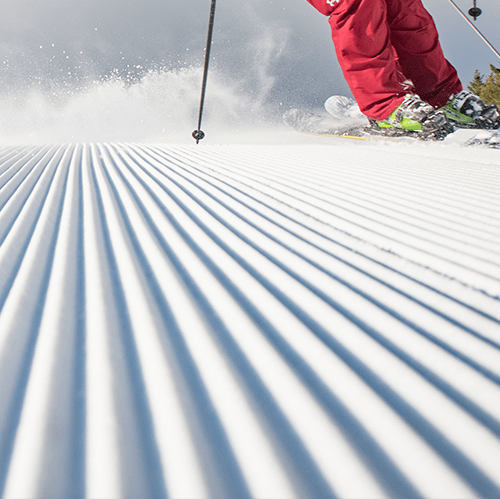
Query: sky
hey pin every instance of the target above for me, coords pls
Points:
(271, 54)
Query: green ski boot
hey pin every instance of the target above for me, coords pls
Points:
(414, 118)
(467, 110)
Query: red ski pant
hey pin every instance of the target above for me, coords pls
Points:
(387, 49)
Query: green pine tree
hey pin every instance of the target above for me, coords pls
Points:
(488, 89)
(491, 92)
(477, 83)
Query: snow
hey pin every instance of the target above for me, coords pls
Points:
(266, 314)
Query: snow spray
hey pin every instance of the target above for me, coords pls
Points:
(160, 106)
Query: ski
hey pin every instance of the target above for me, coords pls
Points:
(316, 124)
(344, 120)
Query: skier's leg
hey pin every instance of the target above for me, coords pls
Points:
(361, 35)
(415, 39)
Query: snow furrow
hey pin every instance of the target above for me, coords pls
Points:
(290, 217)
(389, 236)
(442, 259)
(421, 181)
(387, 202)
(319, 260)
(249, 321)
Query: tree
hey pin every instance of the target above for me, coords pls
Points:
(487, 88)
(476, 83)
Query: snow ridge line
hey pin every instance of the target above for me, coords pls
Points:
(331, 230)
(197, 322)
(394, 236)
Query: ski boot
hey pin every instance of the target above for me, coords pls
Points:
(413, 118)
(467, 110)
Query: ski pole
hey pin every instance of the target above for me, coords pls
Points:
(198, 134)
(495, 51)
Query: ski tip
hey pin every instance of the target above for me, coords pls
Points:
(489, 139)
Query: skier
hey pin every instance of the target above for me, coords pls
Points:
(392, 60)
